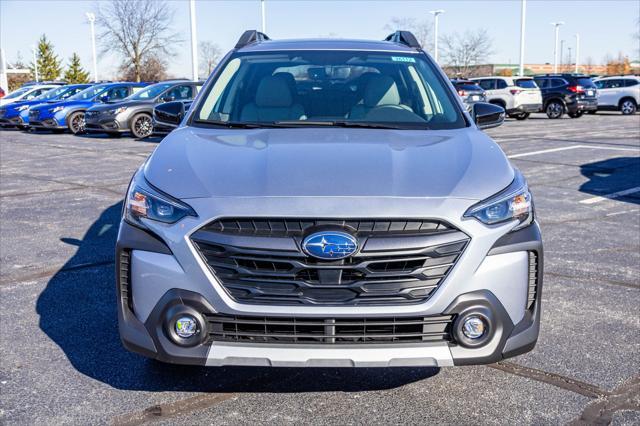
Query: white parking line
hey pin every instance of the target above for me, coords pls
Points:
(611, 196)
(565, 148)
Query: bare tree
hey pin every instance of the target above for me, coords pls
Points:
(137, 30)
(420, 28)
(461, 52)
(152, 69)
(209, 55)
(588, 65)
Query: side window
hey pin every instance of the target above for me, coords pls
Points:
(599, 84)
(120, 92)
(629, 82)
(542, 82)
(614, 84)
(557, 82)
(33, 94)
(180, 93)
(501, 84)
(487, 83)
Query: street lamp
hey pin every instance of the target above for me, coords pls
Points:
(555, 48)
(523, 13)
(435, 14)
(577, 51)
(92, 19)
(35, 61)
(264, 17)
(194, 40)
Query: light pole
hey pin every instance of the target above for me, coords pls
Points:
(92, 19)
(35, 61)
(577, 51)
(523, 14)
(561, 57)
(436, 14)
(194, 40)
(264, 17)
(555, 46)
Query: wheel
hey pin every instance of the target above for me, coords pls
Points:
(592, 112)
(141, 126)
(554, 109)
(76, 122)
(628, 107)
(522, 116)
(576, 114)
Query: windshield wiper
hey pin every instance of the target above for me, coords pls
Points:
(237, 124)
(344, 123)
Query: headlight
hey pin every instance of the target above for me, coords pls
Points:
(513, 203)
(144, 201)
(117, 110)
(22, 108)
(56, 109)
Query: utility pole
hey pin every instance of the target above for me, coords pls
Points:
(35, 61)
(555, 46)
(523, 14)
(436, 14)
(264, 17)
(92, 18)
(194, 40)
(577, 51)
(569, 61)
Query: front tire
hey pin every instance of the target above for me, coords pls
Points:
(554, 110)
(76, 122)
(628, 107)
(141, 126)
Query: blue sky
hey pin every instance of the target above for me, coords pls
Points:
(605, 27)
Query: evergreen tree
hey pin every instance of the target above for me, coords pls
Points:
(49, 66)
(75, 73)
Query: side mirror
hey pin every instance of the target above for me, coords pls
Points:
(170, 113)
(104, 99)
(487, 115)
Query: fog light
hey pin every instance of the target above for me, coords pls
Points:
(473, 327)
(186, 326)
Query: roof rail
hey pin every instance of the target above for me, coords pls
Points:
(249, 37)
(404, 37)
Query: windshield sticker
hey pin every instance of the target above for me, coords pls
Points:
(402, 59)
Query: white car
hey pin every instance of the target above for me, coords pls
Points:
(621, 93)
(519, 96)
(26, 93)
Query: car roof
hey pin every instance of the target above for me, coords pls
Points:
(609, 77)
(327, 44)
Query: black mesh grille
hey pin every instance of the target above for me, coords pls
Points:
(292, 227)
(532, 293)
(402, 267)
(331, 331)
(125, 278)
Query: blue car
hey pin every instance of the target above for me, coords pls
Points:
(69, 114)
(17, 113)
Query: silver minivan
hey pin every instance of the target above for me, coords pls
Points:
(329, 203)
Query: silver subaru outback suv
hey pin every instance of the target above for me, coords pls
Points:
(329, 203)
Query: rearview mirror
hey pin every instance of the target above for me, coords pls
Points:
(169, 113)
(487, 115)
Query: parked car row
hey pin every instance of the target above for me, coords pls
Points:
(109, 108)
(553, 94)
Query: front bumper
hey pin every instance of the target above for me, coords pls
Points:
(154, 281)
(104, 123)
(11, 121)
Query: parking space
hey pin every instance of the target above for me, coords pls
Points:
(62, 361)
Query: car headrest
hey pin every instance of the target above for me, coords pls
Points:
(381, 90)
(274, 91)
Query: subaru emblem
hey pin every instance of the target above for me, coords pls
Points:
(330, 245)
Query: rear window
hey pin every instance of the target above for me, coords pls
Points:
(526, 83)
(467, 86)
(585, 82)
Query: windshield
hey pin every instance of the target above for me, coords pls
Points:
(329, 88)
(18, 93)
(89, 93)
(58, 93)
(151, 92)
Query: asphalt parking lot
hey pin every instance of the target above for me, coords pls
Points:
(62, 361)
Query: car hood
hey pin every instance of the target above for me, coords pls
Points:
(128, 104)
(196, 162)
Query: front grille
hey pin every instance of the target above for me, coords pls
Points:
(331, 331)
(532, 293)
(399, 262)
